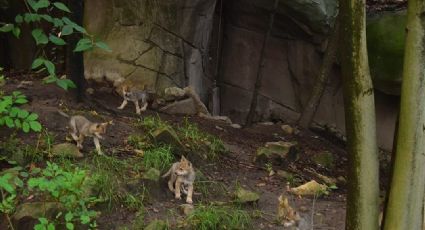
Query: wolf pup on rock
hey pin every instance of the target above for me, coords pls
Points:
(81, 127)
(182, 177)
(134, 96)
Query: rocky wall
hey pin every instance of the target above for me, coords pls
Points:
(155, 43)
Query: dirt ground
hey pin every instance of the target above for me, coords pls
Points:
(325, 212)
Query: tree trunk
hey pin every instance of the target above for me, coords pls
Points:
(75, 62)
(363, 188)
(257, 86)
(406, 197)
(320, 83)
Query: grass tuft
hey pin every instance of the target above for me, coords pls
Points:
(218, 217)
(160, 158)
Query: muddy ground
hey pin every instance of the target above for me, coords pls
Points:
(237, 167)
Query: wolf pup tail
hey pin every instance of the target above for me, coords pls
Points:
(63, 113)
(167, 173)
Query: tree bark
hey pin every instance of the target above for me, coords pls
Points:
(406, 197)
(320, 83)
(259, 78)
(363, 188)
(75, 61)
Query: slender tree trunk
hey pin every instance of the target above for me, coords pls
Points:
(363, 188)
(406, 198)
(320, 83)
(75, 62)
(257, 86)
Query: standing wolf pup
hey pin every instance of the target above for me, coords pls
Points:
(134, 96)
(182, 175)
(81, 127)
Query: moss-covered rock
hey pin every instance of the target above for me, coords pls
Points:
(66, 150)
(245, 196)
(385, 40)
(157, 225)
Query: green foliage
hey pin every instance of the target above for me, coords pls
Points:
(67, 188)
(52, 183)
(38, 16)
(218, 217)
(14, 117)
(159, 158)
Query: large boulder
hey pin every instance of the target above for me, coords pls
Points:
(385, 40)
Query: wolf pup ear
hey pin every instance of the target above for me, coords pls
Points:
(183, 158)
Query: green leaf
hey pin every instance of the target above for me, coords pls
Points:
(61, 6)
(32, 117)
(51, 226)
(19, 18)
(21, 101)
(24, 174)
(50, 79)
(16, 32)
(57, 22)
(50, 67)
(66, 84)
(14, 111)
(1, 121)
(85, 219)
(9, 122)
(25, 127)
(74, 25)
(66, 30)
(43, 220)
(83, 45)
(35, 126)
(47, 17)
(18, 123)
(69, 216)
(103, 46)
(57, 40)
(39, 5)
(18, 182)
(39, 36)
(23, 114)
(70, 226)
(30, 17)
(39, 227)
(7, 28)
(37, 63)
(61, 83)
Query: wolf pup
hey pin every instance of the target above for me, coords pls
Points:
(134, 96)
(182, 176)
(81, 127)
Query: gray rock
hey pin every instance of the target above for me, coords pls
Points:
(277, 151)
(184, 107)
(324, 159)
(287, 129)
(167, 135)
(37, 209)
(66, 150)
(173, 93)
(186, 209)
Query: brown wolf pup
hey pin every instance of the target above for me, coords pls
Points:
(81, 127)
(182, 176)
